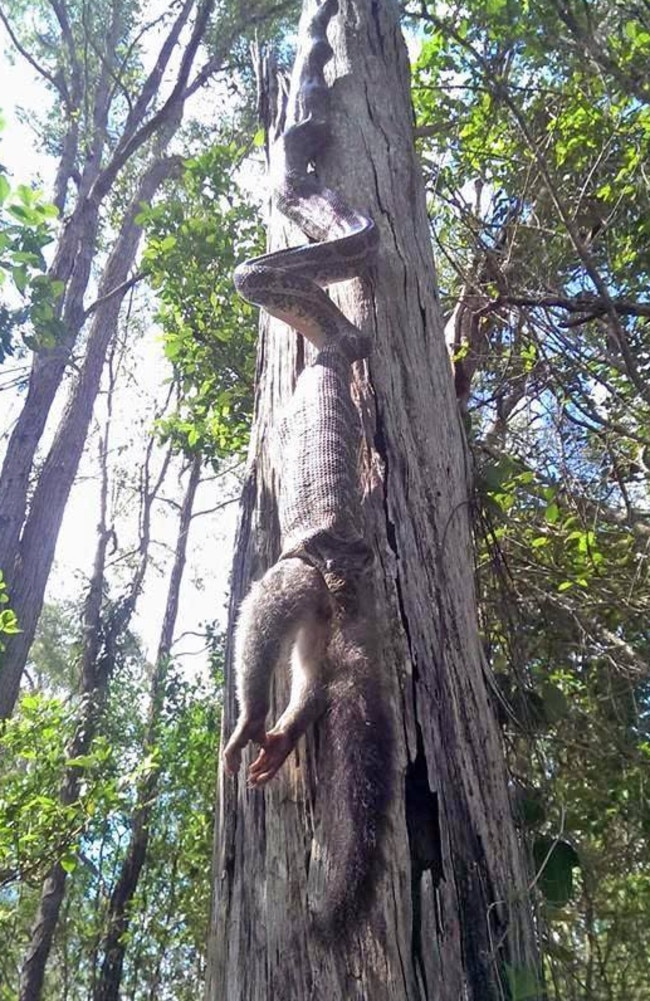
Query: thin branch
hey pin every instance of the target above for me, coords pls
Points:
(151, 84)
(172, 106)
(214, 64)
(500, 91)
(591, 306)
(599, 635)
(118, 290)
(57, 82)
(137, 38)
(217, 507)
(66, 32)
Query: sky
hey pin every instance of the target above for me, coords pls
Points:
(206, 580)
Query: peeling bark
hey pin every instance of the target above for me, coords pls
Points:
(452, 907)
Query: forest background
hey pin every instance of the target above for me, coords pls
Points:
(532, 123)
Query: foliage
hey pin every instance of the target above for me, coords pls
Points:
(171, 907)
(89, 836)
(534, 131)
(35, 826)
(8, 620)
(194, 240)
(534, 124)
(26, 228)
(53, 665)
(119, 100)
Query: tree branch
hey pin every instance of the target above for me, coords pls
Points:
(174, 103)
(590, 306)
(57, 82)
(118, 290)
(151, 84)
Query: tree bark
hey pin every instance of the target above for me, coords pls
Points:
(114, 943)
(72, 265)
(93, 689)
(452, 917)
(72, 262)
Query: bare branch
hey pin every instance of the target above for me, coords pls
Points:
(589, 307)
(68, 38)
(151, 84)
(56, 81)
(129, 52)
(214, 63)
(171, 108)
(217, 507)
(118, 290)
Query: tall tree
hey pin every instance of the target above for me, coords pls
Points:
(118, 120)
(102, 628)
(451, 916)
(115, 940)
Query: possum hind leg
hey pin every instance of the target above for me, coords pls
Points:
(308, 692)
(292, 594)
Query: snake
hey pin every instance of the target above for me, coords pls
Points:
(317, 598)
(289, 284)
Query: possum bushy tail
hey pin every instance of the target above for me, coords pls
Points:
(359, 773)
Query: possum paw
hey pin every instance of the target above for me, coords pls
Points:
(276, 747)
(245, 731)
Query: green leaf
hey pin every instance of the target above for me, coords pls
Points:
(552, 513)
(81, 761)
(19, 275)
(555, 702)
(524, 983)
(631, 30)
(554, 864)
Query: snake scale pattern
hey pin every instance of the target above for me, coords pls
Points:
(320, 509)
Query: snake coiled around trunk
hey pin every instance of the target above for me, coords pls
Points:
(318, 597)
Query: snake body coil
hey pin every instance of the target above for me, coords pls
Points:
(289, 283)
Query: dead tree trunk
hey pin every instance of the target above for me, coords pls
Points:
(452, 918)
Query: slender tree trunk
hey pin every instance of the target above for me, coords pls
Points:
(41, 530)
(114, 943)
(72, 264)
(451, 918)
(94, 684)
(101, 632)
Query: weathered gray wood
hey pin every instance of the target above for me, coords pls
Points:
(451, 904)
